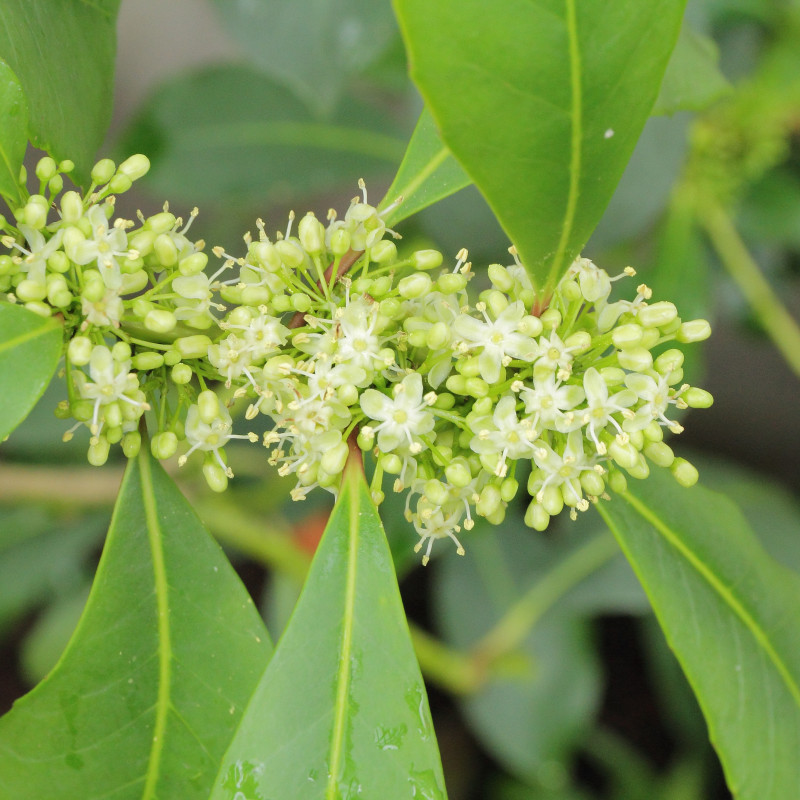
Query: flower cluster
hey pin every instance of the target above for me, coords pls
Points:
(337, 338)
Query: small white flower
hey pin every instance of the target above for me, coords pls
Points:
(655, 397)
(211, 437)
(601, 407)
(104, 248)
(403, 418)
(563, 470)
(550, 404)
(504, 435)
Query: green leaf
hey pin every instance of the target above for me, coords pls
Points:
(541, 695)
(731, 615)
(30, 347)
(427, 173)
(692, 81)
(542, 103)
(341, 710)
(63, 55)
(311, 46)
(205, 143)
(13, 133)
(147, 695)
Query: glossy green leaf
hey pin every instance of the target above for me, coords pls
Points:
(147, 695)
(533, 712)
(692, 81)
(731, 615)
(63, 55)
(13, 133)
(341, 710)
(427, 174)
(30, 347)
(205, 143)
(542, 103)
(312, 46)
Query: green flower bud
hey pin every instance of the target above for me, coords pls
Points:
(489, 501)
(79, 351)
(147, 361)
(477, 387)
(592, 482)
(121, 352)
(451, 283)
(627, 336)
(7, 266)
(668, 361)
(58, 294)
(30, 291)
(208, 406)
(112, 414)
(366, 438)
(103, 171)
(160, 223)
(340, 242)
(637, 359)
(436, 492)
(98, 451)
(58, 262)
(626, 455)
(181, 374)
(415, 285)
(35, 212)
(496, 301)
(381, 286)
(164, 445)
(660, 453)
(383, 252)
(193, 264)
(458, 473)
(640, 470)
(66, 165)
(300, 302)
(133, 282)
(654, 432)
(172, 357)
(119, 184)
(93, 287)
(501, 277)
(160, 321)
(550, 319)
(45, 169)
(530, 325)
(696, 330)
(444, 401)
(617, 482)
(684, 472)
(536, 517)
(55, 184)
(426, 259)
(657, 314)
(334, 459)
(508, 489)
(215, 475)
(698, 398)
(42, 309)
(650, 338)
(579, 342)
(311, 233)
(291, 254)
(165, 251)
(551, 500)
(131, 444)
(570, 291)
(256, 295)
(438, 336)
(391, 463)
(135, 167)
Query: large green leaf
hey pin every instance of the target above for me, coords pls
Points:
(147, 695)
(311, 46)
(63, 55)
(30, 347)
(341, 710)
(731, 615)
(205, 143)
(542, 103)
(427, 173)
(540, 697)
(13, 133)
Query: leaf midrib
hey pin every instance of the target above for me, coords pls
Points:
(345, 653)
(26, 337)
(155, 534)
(756, 630)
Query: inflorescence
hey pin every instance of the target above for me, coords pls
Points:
(336, 337)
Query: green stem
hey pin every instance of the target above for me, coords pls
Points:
(448, 668)
(514, 626)
(742, 267)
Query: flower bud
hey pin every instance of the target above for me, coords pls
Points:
(112, 415)
(627, 336)
(489, 500)
(391, 463)
(135, 167)
(164, 445)
(208, 406)
(35, 212)
(215, 475)
(119, 184)
(592, 483)
(193, 264)
(31, 291)
(291, 254)
(637, 359)
(684, 472)
(530, 325)
(311, 233)
(181, 374)
(617, 482)
(147, 361)
(55, 184)
(42, 309)
(381, 286)
(383, 252)
(160, 321)
(508, 489)
(93, 287)
(103, 171)
(550, 319)
(45, 169)
(698, 398)
(300, 302)
(415, 285)
(98, 451)
(438, 336)
(579, 342)
(58, 262)
(696, 330)
(340, 242)
(79, 351)
(660, 453)
(451, 283)
(131, 444)
(626, 455)
(501, 277)
(657, 314)
(668, 361)
(536, 517)
(120, 352)
(426, 259)
(366, 438)
(334, 459)
(458, 473)
(165, 250)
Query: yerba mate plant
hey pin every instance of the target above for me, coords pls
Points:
(522, 388)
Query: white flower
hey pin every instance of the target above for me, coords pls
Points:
(357, 342)
(403, 418)
(550, 403)
(504, 435)
(105, 312)
(435, 522)
(554, 357)
(211, 436)
(601, 407)
(232, 358)
(111, 381)
(104, 248)
(655, 395)
(563, 470)
(35, 261)
(498, 339)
